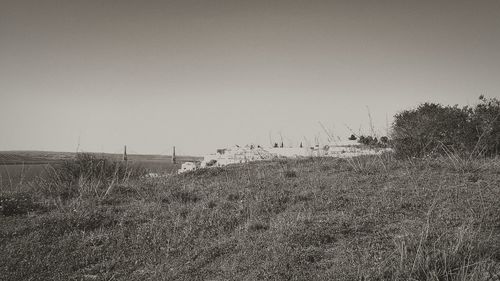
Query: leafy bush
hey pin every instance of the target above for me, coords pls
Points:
(431, 127)
(486, 120)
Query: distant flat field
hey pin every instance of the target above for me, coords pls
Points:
(12, 175)
(48, 157)
(23, 166)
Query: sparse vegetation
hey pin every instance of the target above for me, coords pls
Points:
(371, 218)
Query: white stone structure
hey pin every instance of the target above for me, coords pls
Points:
(291, 152)
(187, 166)
(342, 149)
(235, 155)
(249, 153)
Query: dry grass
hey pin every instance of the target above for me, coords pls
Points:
(368, 218)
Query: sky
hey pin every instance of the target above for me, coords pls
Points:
(94, 75)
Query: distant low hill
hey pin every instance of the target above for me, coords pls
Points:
(48, 157)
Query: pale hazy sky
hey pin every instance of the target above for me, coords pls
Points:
(207, 74)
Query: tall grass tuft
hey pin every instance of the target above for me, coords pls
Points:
(370, 164)
(459, 254)
(87, 175)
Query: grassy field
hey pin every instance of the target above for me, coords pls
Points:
(367, 218)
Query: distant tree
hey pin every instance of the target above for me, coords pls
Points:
(368, 140)
(353, 137)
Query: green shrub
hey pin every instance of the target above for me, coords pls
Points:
(432, 128)
(486, 120)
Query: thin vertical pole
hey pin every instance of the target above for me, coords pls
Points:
(173, 155)
(125, 158)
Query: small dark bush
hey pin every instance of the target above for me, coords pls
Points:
(211, 204)
(233, 197)
(313, 234)
(17, 204)
(257, 226)
(185, 196)
(206, 172)
(373, 141)
(290, 174)
(211, 163)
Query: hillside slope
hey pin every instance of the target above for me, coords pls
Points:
(313, 219)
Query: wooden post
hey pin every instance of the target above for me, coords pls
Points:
(125, 158)
(173, 155)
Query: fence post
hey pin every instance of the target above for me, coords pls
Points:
(173, 156)
(125, 158)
